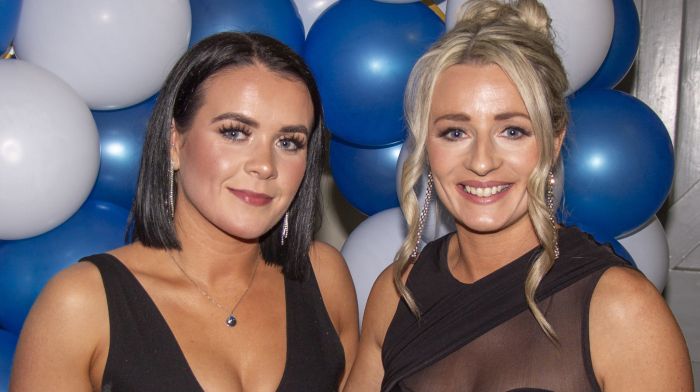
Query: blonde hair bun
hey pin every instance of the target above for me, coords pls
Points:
(529, 14)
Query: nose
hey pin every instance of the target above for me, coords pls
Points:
(261, 162)
(482, 159)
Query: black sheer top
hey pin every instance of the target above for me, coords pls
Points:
(482, 336)
(144, 355)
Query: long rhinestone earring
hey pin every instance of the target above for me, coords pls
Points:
(171, 199)
(551, 181)
(285, 228)
(423, 214)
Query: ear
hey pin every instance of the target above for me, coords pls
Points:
(558, 142)
(175, 143)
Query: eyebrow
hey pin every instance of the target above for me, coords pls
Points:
(252, 123)
(464, 117)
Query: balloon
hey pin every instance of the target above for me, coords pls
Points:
(398, 1)
(113, 53)
(623, 48)
(365, 176)
(121, 140)
(49, 150)
(648, 247)
(621, 252)
(371, 247)
(9, 14)
(310, 10)
(276, 18)
(27, 265)
(361, 53)
(619, 163)
(8, 341)
(583, 31)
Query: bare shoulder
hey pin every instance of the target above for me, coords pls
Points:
(635, 340)
(63, 333)
(327, 262)
(381, 305)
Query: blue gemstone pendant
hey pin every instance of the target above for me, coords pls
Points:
(231, 321)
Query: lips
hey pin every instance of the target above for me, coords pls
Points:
(250, 197)
(483, 192)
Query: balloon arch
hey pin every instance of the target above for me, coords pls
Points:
(77, 97)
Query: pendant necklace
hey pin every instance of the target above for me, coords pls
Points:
(231, 320)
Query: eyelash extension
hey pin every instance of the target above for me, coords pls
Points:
(228, 130)
(523, 131)
(298, 141)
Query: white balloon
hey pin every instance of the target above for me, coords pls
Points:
(113, 53)
(49, 150)
(583, 33)
(310, 10)
(398, 1)
(371, 247)
(648, 246)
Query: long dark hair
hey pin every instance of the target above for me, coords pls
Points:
(179, 100)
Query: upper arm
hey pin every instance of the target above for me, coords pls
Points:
(635, 341)
(339, 297)
(368, 370)
(61, 334)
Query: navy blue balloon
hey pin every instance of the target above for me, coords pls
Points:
(9, 16)
(121, 140)
(366, 176)
(276, 18)
(8, 342)
(26, 265)
(361, 53)
(618, 161)
(623, 48)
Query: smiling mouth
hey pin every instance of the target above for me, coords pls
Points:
(484, 192)
(250, 197)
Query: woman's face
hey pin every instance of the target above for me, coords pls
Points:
(481, 147)
(243, 159)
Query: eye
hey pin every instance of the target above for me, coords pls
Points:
(235, 132)
(452, 134)
(515, 132)
(292, 143)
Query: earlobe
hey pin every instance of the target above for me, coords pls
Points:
(174, 147)
(558, 143)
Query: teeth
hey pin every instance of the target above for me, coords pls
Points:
(484, 192)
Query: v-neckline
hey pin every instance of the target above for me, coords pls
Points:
(171, 335)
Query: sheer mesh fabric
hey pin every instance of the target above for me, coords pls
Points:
(482, 337)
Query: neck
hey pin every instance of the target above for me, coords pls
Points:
(210, 255)
(474, 255)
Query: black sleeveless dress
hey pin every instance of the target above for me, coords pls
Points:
(482, 336)
(144, 355)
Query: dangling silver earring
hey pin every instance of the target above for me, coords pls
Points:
(551, 181)
(423, 215)
(171, 199)
(285, 228)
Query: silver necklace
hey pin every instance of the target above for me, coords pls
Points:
(231, 320)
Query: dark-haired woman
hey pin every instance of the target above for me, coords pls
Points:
(222, 288)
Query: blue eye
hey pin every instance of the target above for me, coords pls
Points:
(453, 134)
(292, 143)
(515, 132)
(234, 132)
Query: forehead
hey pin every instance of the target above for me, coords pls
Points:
(475, 87)
(256, 90)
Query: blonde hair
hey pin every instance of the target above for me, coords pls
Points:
(515, 36)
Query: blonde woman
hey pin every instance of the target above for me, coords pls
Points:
(511, 301)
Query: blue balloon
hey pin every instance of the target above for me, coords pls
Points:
(618, 161)
(361, 53)
(622, 252)
(623, 48)
(276, 18)
(9, 16)
(26, 265)
(8, 342)
(366, 176)
(121, 140)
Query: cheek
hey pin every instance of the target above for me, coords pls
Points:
(291, 171)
